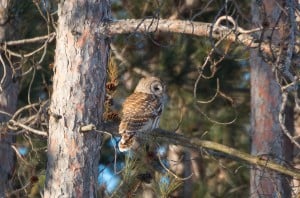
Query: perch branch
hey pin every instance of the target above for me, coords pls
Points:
(196, 144)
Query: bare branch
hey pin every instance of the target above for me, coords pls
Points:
(19, 154)
(282, 119)
(31, 40)
(4, 73)
(184, 27)
(37, 132)
(169, 171)
(214, 96)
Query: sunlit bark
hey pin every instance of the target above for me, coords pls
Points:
(268, 139)
(78, 96)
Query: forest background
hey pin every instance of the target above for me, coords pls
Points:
(232, 79)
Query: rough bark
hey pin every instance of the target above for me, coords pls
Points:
(268, 139)
(8, 103)
(78, 96)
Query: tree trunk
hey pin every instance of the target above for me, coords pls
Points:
(8, 103)
(78, 96)
(268, 139)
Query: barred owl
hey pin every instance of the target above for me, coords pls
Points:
(141, 111)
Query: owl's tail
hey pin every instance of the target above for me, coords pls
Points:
(127, 141)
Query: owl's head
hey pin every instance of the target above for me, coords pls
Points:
(151, 85)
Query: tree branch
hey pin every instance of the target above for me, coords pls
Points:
(214, 30)
(35, 131)
(217, 31)
(164, 136)
(50, 36)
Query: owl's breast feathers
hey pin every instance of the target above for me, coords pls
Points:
(140, 113)
(142, 104)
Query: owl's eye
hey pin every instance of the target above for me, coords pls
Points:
(156, 88)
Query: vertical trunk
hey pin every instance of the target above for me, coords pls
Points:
(8, 103)
(268, 140)
(78, 95)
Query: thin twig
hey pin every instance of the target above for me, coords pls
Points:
(30, 85)
(19, 155)
(169, 171)
(20, 189)
(214, 121)
(20, 110)
(31, 40)
(214, 97)
(6, 113)
(4, 73)
(281, 118)
(35, 131)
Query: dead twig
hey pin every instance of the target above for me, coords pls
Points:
(14, 124)
(170, 172)
(50, 36)
(282, 119)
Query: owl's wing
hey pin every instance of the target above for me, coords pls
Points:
(140, 112)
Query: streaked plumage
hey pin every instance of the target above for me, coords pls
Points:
(141, 111)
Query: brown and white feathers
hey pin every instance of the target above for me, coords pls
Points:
(141, 111)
